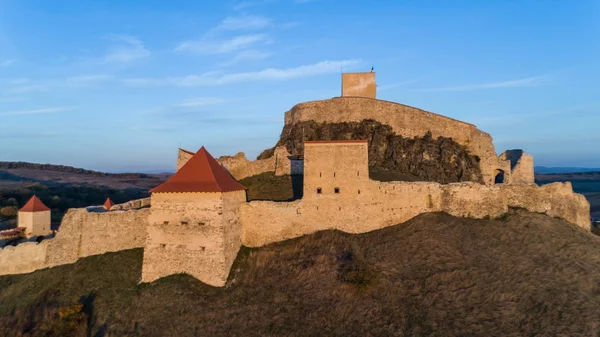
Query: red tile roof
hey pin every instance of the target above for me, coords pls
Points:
(201, 173)
(34, 205)
(108, 204)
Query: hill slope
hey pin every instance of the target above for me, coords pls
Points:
(526, 274)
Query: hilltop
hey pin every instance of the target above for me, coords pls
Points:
(524, 274)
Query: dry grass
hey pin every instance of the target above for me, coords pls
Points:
(436, 275)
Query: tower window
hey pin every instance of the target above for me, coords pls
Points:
(165, 222)
(320, 174)
(358, 173)
(358, 191)
(319, 190)
(200, 223)
(334, 174)
(337, 190)
(184, 222)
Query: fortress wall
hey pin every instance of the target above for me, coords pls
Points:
(240, 167)
(131, 205)
(405, 121)
(194, 246)
(556, 199)
(387, 204)
(182, 157)
(64, 248)
(521, 166)
(112, 231)
(24, 258)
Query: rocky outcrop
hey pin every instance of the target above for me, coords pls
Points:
(441, 159)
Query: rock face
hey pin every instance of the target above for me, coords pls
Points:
(442, 159)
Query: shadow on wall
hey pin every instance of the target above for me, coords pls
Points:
(297, 186)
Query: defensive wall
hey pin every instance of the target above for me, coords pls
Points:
(405, 121)
(391, 203)
(521, 166)
(82, 233)
(338, 194)
(196, 233)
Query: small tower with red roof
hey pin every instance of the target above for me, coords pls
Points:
(35, 218)
(108, 204)
(193, 225)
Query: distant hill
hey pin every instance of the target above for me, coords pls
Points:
(16, 174)
(436, 275)
(546, 170)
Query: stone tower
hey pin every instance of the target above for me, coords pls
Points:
(335, 171)
(359, 85)
(35, 218)
(193, 225)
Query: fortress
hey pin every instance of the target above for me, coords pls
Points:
(197, 220)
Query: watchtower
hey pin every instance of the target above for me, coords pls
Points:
(359, 84)
(35, 218)
(193, 224)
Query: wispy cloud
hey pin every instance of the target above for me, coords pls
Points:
(201, 101)
(270, 74)
(128, 48)
(244, 22)
(247, 55)
(248, 4)
(206, 46)
(36, 111)
(535, 81)
(7, 62)
(25, 85)
(395, 85)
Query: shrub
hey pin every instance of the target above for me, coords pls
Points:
(8, 212)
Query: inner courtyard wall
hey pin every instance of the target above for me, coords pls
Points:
(405, 121)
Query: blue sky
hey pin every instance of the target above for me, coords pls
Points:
(120, 85)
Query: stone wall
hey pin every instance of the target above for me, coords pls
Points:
(521, 166)
(386, 204)
(405, 120)
(240, 167)
(132, 205)
(195, 233)
(81, 234)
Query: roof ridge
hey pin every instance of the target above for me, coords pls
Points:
(210, 168)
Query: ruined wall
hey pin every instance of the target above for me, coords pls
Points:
(182, 157)
(132, 205)
(240, 167)
(386, 204)
(35, 223)
(405, 120)
(521, 166)
(359, 84)
(232, 228)
(81, 234)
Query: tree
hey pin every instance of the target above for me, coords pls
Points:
(8, 212)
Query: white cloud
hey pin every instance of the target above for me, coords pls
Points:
(270, 74)
(237, 43)
(89, 78)
(395, 85)
(201, 101)
(36, 111)
(245, 22)
(247, 55)
(519, 83)
(129, 49)
(7, 62)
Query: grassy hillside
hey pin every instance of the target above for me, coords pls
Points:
(436, 275)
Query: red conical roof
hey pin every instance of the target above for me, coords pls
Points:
(108, 204)
(34, 205)
(201, 173)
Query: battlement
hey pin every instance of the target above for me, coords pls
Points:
(359, 85)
